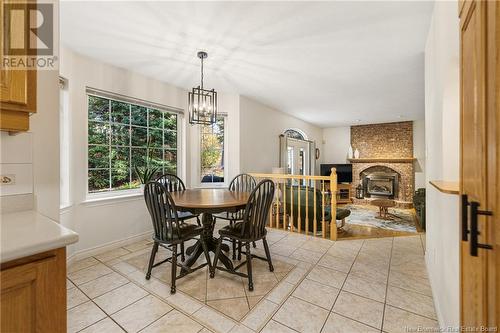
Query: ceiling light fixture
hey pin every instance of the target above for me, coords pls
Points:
(202, 103)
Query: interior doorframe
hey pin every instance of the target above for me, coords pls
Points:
(283, 153)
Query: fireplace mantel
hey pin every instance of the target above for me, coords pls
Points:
(382, 160)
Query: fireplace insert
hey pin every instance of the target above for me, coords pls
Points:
(380, 185)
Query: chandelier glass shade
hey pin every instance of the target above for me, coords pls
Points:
(202, 103)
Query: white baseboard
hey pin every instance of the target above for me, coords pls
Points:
(82, 254)
(437, 306)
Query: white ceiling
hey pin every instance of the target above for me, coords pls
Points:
(329, 63)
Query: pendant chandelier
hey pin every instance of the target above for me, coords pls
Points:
(202, 103)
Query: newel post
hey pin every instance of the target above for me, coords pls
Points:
(333, 203)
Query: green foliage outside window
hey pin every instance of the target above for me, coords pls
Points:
(212, 152)
(118, 135)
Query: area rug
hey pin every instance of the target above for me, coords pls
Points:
(367, 216)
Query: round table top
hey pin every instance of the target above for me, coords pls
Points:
(383, 202)
(209, 198)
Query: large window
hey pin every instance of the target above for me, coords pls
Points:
(120, 137)
(212, 152)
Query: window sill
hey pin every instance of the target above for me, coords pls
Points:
(212, 185)
(109, 198)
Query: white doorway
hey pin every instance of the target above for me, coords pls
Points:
(296, 153)
(298, 161)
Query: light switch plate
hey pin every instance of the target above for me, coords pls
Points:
(9, 179)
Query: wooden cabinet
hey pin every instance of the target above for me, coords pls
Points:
(33, 293)
(18, 91)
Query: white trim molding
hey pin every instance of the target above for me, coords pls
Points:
(82, 254)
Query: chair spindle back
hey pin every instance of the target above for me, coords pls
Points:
(171, 182)
(163, 212)
(257, 210)
(242, 183)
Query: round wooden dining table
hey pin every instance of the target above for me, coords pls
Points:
(208, 202)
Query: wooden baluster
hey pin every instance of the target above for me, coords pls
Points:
(299, 217)
(277, 205)
(333, 204)
(323, 222)
(284, 203)
(291, 205)
(315, 222)
(307, 207)
(271, 212)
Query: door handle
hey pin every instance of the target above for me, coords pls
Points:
(465, 214)
(474, 232)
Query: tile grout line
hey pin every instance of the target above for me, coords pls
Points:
(154, 321)
(107, 315)
(287, 297)
(312, 264)
(181, 310)
(360, 322)
(342, 286)
(263, 297)
(387, 286)
(161, 297)
(106, 291)
(292, 291)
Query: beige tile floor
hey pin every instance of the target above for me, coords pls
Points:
(371, 285)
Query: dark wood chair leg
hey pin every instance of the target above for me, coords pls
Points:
(152, 260)
(233, 241)
(216, 258)
(254, 245)
(268, 255)
(174, 268)
(239, 250)
(249, 266)
(183, 258)
(234, 249)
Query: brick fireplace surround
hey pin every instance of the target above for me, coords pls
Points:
(389, 145)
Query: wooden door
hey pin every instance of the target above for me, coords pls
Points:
(479, 105)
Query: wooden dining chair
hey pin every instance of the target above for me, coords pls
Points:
(252, 228)
(169, 230)
(241, 183)
(173, 183)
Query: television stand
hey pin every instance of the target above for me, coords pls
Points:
(344, 193)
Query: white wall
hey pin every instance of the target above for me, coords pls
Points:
(419, 152)
(336, 142)
(260, 127)
(442, 159)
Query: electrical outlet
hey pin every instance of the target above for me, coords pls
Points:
(8, 179)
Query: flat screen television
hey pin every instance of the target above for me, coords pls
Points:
(344, 171)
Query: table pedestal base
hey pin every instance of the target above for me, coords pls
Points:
(195, 251)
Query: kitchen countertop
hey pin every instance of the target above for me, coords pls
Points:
(29, 232)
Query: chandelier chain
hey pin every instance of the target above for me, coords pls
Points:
(202, 73)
